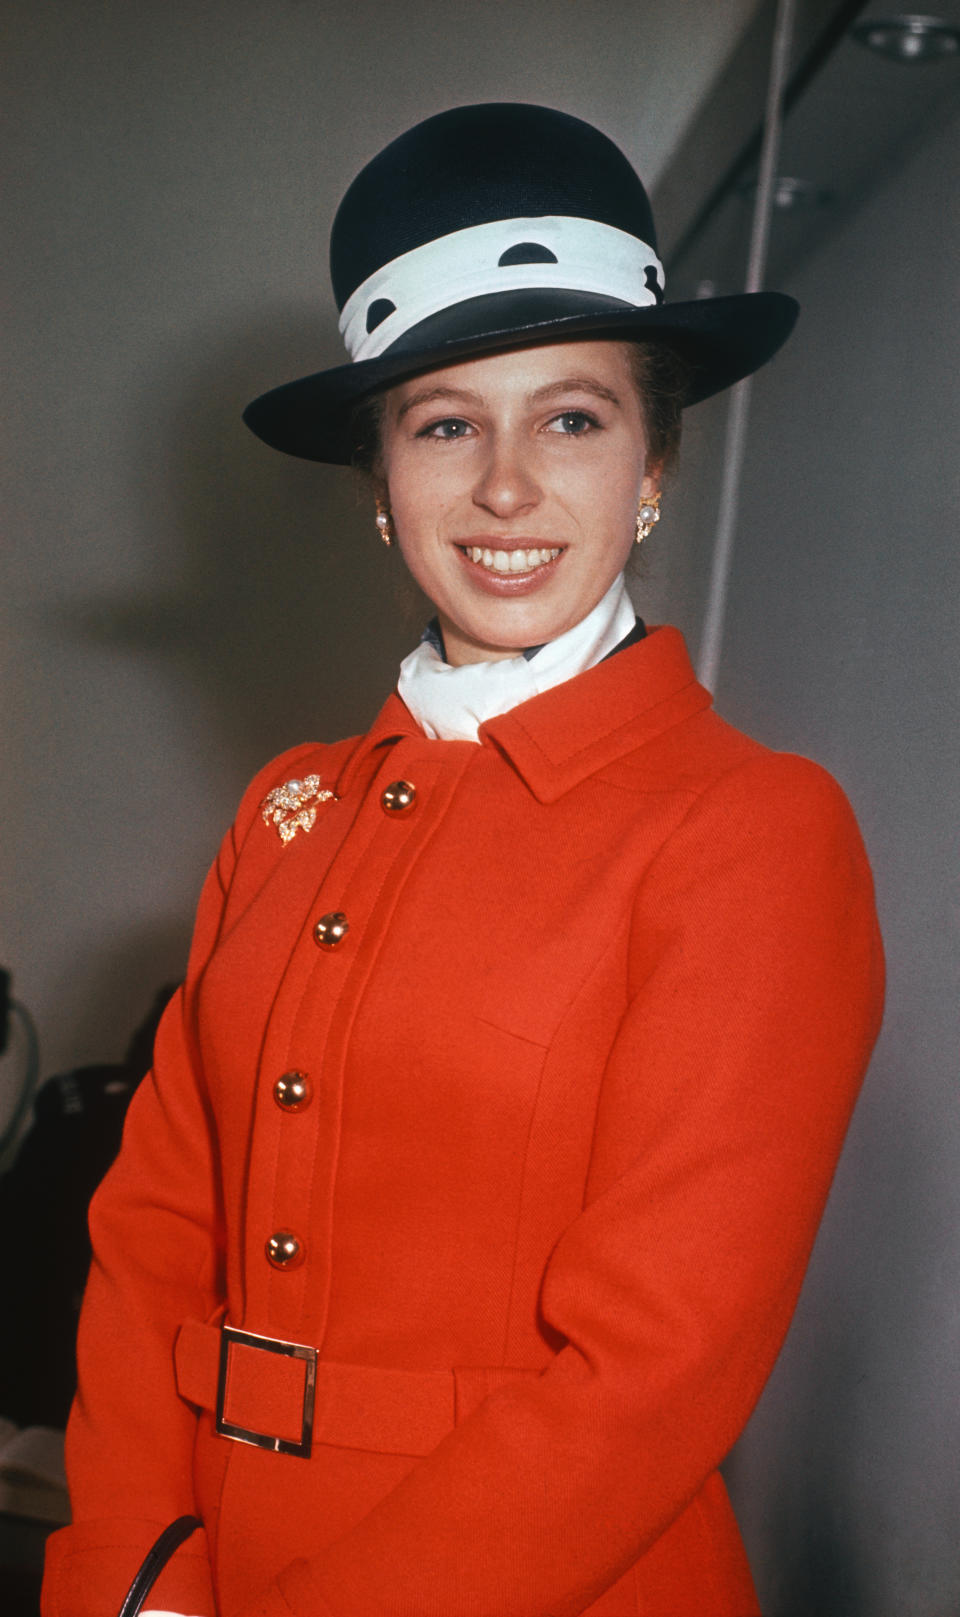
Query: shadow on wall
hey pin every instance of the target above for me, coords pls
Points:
(258, 609)
(818, 1569)
(844, 1439)
(274, 600)
(130, 971)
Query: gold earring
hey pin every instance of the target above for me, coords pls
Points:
(384, 524)
(648, 515)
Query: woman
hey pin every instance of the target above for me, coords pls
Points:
(460, 1223)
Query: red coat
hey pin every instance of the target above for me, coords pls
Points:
(577, 1076)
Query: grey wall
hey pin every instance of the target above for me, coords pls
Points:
(842, 642)
(178, 603)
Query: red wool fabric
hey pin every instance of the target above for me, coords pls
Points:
(581, 1069)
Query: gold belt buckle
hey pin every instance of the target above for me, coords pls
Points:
(289, 1350)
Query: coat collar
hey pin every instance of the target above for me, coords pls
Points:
(556, 740)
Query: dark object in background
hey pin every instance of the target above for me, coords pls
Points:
(44, 1245)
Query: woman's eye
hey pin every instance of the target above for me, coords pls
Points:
(573, 422)
(451, 427)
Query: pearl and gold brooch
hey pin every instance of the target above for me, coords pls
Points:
(293, 806)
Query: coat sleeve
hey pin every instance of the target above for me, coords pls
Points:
(755, 1000)
(157, 1236)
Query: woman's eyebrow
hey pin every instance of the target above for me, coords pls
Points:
(428, 395)
(576, 384)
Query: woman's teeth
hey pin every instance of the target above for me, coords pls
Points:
(511, 561)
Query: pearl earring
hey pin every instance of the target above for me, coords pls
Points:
(384, 524)
(648, 515)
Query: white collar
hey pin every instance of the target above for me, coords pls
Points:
(451, 703)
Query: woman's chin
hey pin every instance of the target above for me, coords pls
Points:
(502, 615)
(488, 638)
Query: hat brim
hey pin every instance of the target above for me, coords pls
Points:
(722, 339)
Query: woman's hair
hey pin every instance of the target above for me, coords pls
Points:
(661, 377)
(367, 432)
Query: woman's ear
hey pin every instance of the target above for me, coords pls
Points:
(652, 479)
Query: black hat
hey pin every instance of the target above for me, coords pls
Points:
(492, 227)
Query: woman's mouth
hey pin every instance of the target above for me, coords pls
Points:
(513, 561)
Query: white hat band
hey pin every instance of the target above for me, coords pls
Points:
(568, 253)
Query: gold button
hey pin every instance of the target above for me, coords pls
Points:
(331, 929)
(284, 1250)
(399, 797)
(293, 1091)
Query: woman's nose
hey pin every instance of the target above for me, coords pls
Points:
(506, 485)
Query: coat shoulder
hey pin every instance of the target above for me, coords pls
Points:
(726, 796)
(705, 754)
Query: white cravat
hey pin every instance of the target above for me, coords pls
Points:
(451, 703)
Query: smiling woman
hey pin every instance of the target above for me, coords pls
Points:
(462, 1216)
(514, 482)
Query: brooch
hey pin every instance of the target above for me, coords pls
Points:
(293, 806)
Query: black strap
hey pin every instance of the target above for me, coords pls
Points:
(154, 1562)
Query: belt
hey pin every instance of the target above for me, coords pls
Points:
(282, 1396)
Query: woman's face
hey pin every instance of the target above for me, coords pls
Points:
(514, 481)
